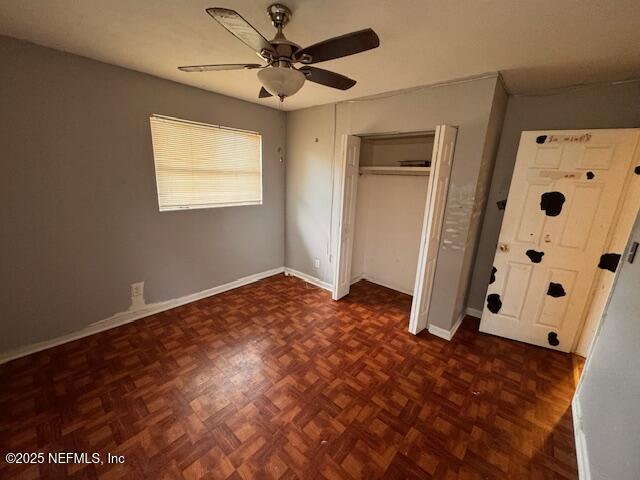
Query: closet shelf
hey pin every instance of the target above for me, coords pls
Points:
(395, 170)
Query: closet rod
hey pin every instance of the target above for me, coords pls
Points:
(407, 171)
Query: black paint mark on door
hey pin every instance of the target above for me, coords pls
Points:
(541, 139)
(494, 304)
(552, 338)
(556, 290)
(590, 175)
(493, 275)
(551, 203)
(637, 170)
(535, 256)
(609, 261)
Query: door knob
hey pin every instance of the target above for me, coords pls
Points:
(503, 247)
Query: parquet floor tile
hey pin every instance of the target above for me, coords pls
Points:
(276, 381)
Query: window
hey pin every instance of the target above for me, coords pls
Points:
(205, 166)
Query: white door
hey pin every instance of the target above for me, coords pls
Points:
(350, 159)
(441, 160)
(565, 191)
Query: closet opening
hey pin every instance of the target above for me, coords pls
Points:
(391, 196)
(390, 204)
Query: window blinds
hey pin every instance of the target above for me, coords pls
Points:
(203, 166)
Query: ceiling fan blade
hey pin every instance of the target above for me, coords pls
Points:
(342, 46)
(240, 28)
(264, 94)
(223, 66)
(325, 77)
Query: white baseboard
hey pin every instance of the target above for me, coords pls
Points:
(454, 329)
(308, 278)
(474, 312)
(581, 447)
(133, 315)
(443, 333)
(439, 332)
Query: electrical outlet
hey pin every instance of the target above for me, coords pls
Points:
(316, 263)
(137, 289)
(137, 295)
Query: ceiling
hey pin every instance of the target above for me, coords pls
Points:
(537, 45)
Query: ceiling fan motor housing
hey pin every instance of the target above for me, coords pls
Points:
(280, 15)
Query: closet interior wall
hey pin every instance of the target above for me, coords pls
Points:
(389, 211)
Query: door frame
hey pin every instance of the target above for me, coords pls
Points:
(344, 145)
(430, 230)
(337, 196)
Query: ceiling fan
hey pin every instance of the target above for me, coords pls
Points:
(279, 76)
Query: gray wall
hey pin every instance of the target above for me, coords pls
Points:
(616, 106)
(492, 139)
(80, 220)
(310, 137)
(607, 397)
(309, 226)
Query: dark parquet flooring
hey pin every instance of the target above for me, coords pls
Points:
(275, 380)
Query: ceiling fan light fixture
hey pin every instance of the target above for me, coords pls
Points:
(281, 81)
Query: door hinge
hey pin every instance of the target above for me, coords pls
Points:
(632, 252)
